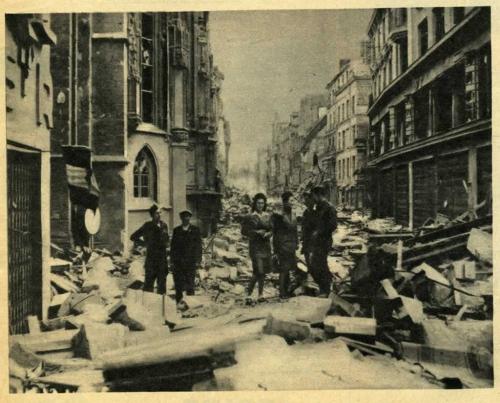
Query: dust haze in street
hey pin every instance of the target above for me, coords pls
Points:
(271, 59)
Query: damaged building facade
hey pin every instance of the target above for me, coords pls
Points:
(28, 43)
(141, 92)
(430, 113)
(288, 163)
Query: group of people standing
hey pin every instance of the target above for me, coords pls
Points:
(185, 253)
(274, 241)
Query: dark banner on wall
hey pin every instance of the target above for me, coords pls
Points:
(83, 188)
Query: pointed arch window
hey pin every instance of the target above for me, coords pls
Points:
(145, 175)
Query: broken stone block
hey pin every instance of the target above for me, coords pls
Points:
(59, 265)
(465, 269)
(477, 333)
(430, 285)
(412, 308)
(233, 273)
(196, 301)
(59, 305)
(57, 340)
(480, 244)
(96, 338)
(102, 263)
(431, 274)
(221, 243)
(151, 334)
(62, 283)
(346, 306)
(146, 307)
(310, 309)
(229, 257)
(223, 273)
(286, 326)
(78, 301)
(238, 289)
(438, 334)
(348, 325)
(224, 286)
(136, 270)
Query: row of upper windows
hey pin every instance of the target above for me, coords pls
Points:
(339, 113)
(342, 80)
(345, 138)
(399, 59)
(346, 167)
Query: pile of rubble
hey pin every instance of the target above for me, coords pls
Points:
(430, 292)
(416, 309)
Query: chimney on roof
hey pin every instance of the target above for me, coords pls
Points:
(343, 62)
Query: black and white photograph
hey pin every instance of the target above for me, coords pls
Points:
(248, 199)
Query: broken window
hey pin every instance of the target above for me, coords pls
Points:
(458, 97)
(471, 87)
(484, 78)
(421, 106)
(400, 124)
(443, 93)
(145, 175)
(147, 67)
(423, 34)
(403, 54)
(438, 23)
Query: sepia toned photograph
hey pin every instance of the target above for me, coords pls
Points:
(249, 200)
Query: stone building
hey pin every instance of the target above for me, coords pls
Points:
(141, 92)
(430, 113)
(286, 167)
(28, 44)
(349, 95)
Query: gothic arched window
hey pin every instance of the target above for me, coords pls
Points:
(145, 175)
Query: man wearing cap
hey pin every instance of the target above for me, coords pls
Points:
(154, 233)
(185, 255)
(325, 222)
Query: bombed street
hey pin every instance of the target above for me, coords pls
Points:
(266, 200)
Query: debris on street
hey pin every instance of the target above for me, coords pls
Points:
(400, 306)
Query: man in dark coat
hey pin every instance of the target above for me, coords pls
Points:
(325, 222)
(154, 233)
(285, 243)
(185, 255)
(307, 226)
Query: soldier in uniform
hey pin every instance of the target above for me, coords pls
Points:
(154, 234)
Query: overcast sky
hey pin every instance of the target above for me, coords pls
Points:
(270, 59)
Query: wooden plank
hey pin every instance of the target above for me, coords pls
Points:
(345, 325)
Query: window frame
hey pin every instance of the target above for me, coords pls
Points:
(152, 176)
(151, 66)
